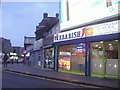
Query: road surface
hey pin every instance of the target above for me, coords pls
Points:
(17, 80)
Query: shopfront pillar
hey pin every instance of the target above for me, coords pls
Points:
(87, 60)
(56, 58)
(119, 59)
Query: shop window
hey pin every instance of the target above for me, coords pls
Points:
(111, 56)
(96, 57)
(104, 58)
(64, 57)
(109, 3)
(49, 58)
(72, 57)
(78, 58)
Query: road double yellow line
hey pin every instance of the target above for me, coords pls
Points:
(80, 85)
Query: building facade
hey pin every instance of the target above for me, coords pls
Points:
(37, 52)
(28, 48)
(45, 31)
(28, 42)
(90, 47)
(18, 50)
(5, 45)
(48, 47)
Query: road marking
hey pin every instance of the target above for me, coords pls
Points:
(87, 86)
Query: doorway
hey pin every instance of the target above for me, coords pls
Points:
(49, 58)
(104, 59)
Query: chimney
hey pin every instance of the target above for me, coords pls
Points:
(57, 15)
(45, 15)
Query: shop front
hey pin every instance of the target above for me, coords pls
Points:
(91, 51)
(104, 58)
(71, 58)
(71, 51)
(49, 58)
(48, 52)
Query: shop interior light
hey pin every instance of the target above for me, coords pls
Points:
(115, 65)
(110, 44)
(100, 47)
(0, 53)
(96, 45)
(95, 65)
(14, 57)
(100, 65)
(116, 40)
(101, 42)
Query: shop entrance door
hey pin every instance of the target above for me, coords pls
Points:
(49, 58)
(111, 58)
(104, 59)
(96, 59)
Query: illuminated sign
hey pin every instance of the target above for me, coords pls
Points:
(25, 52)
(65, 53)
(68, 35)
(104, 28)
(80, 49)
(28, 54)
(64, 63)
(11, 53)
(88, 31)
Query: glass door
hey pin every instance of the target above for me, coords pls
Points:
(78, 59)
(49, 58)
(111, 57)
(104, 59)
(96, 59)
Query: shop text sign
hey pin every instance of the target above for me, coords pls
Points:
(102, 29)
(73, 34)
(88, 31)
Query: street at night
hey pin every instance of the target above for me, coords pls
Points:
(13, 80)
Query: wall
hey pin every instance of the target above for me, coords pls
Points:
(29, 40)
(72, 13)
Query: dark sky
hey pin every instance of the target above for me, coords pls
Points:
(19, 19)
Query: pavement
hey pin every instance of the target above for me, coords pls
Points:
(86, 80)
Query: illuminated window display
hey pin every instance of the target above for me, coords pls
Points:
(64, 57)
(72, 57)
(111, 57)
(89, 42)
(97, 57)
(104, 58)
